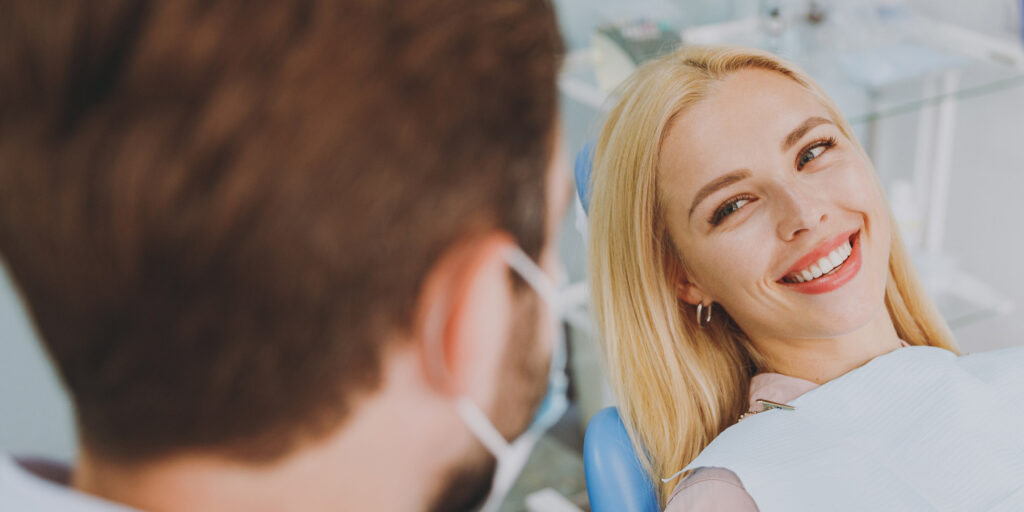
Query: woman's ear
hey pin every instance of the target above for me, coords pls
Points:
(691, 293)
(686, 290)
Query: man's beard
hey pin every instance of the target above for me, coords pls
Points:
(467, 483)
(521, 385)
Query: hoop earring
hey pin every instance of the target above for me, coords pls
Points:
(702, 318)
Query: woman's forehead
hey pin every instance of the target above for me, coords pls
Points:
(744, 119)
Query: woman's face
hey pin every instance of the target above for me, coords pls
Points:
(759, 185)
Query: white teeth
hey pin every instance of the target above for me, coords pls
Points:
(835, 258)
(823, 265)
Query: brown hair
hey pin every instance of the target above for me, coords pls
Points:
(219, 213)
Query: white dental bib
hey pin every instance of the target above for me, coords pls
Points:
(915, 429)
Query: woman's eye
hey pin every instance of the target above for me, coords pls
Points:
(814, 151)
(728, 209)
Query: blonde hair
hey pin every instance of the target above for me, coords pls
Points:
(679, 385)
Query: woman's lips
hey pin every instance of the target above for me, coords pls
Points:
(823, 249)
(839, 276)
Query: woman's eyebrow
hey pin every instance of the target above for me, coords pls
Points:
(732, 177)
(795, 135)
(720, 182)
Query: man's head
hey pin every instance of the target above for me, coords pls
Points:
(225, 216)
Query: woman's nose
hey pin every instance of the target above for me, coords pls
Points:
(800, 208)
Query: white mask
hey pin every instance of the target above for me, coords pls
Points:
(512, 455)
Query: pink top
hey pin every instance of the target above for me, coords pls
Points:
(710, 489)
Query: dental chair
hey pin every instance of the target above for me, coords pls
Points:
(615, 480)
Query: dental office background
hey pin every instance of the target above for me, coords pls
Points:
(935, 90)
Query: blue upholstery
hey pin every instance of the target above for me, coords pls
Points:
(581, 170)
(615, 480)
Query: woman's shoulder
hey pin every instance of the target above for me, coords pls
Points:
(710, 489)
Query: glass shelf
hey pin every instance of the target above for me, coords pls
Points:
(986, 64)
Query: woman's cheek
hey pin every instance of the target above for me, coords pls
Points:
(847, 184)
(736, 264)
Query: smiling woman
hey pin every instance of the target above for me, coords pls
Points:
(726, 181)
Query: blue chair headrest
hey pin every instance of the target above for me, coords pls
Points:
(584, 164)
(615, 480)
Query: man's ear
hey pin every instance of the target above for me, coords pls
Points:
(463, 315)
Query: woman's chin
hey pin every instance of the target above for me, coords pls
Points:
(846, 315)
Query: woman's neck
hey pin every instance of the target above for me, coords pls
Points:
(821, 360)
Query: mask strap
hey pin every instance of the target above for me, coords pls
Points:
(481, 425)
(543, 285)
(471, 414)
(532, 274)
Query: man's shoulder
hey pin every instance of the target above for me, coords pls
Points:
(49, 470)
(35, 484)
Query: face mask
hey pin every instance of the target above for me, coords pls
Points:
(512, 455)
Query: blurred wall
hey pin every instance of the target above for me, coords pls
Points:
(35, 415)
